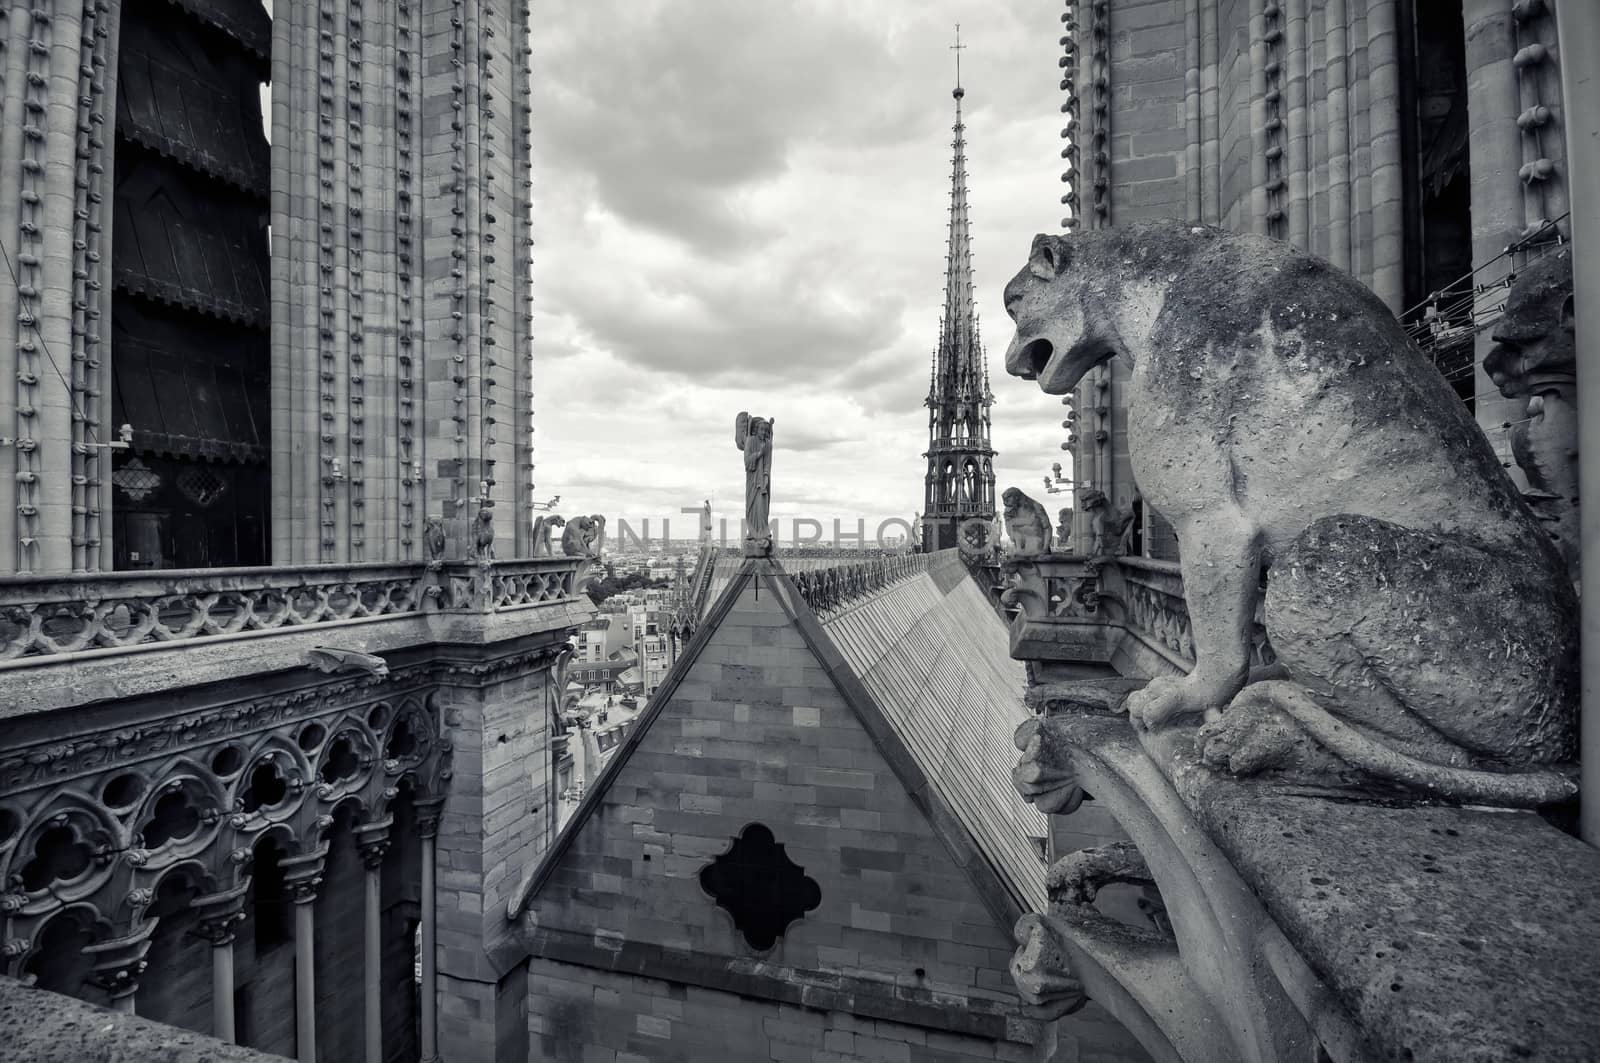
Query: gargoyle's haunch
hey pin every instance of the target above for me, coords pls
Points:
(1278, 416)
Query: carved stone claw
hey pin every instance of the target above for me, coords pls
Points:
(1045, 776)
(1167, 698)
(1041, 970)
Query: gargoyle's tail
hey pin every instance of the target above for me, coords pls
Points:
(1525, 789)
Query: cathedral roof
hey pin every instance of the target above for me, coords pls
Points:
(923, 665)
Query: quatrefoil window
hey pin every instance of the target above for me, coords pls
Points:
(59, 855)
(760, 887)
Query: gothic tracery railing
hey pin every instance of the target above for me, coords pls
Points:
(92, 824)
(120, 610)
(827, 589)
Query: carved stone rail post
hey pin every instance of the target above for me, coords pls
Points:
(428, 827)
(220, 913)
(373, 840)
(1579, 26)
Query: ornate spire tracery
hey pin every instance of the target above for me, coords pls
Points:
(960, 479)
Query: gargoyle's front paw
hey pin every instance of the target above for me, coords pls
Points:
(1166, 698)
(1041, 970)
(1246, 739)
(1045, 775)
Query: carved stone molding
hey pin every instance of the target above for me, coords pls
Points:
(498, 667)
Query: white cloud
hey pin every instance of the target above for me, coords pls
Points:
(742, 206)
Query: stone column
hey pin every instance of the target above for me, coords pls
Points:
(305, 999)
(219, 914)
(373, 841)
(1494, 147)
(1578, 22)
(1300, 154)
(1388, 226)
(1210, 117)
(1192, 176)
(428, 827)
(1258, 117)
(1338, 135)
(302, 875)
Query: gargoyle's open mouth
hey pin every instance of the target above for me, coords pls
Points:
(1027, 360)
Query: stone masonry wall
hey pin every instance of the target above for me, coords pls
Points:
(578, 1013)
(495, 826)
(1148, 138)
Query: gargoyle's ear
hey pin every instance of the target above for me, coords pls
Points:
(1049, 257)
(1567, 322)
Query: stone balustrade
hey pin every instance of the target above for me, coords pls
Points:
(827, 590)
(502, 585)
(1057, 607)
(1151, 593)
(122, 610)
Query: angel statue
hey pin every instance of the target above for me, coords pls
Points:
(753, 435)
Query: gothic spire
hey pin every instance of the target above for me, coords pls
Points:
(959, 365)
(959, 486)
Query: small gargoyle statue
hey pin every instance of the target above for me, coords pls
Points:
(329, 660)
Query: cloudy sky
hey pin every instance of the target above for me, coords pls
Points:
(741, 204)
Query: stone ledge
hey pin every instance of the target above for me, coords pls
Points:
(1448, 933)
(37, 1026)
(826, 990)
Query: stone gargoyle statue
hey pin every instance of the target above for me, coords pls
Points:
(1535, 356)
(1027, 522)
(584, 537)
(1279, 418)
(544, 527)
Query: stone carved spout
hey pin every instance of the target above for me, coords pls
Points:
(1042, 970)
(1045, 777)
(1279, 417)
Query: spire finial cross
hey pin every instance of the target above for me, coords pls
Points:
(958, 48)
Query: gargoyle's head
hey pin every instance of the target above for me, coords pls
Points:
(1534, 340)
(1011, 498)
(1060, 336)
